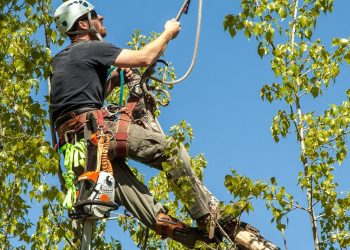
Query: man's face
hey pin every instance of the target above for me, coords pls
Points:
(97, 22)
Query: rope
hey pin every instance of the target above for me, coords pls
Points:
(195, 51)
(122, 81)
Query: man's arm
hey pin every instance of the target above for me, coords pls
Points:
(114, 80)
(151, 52)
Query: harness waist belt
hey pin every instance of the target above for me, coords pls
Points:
(64, 118)
(77, 121)
(74, 121)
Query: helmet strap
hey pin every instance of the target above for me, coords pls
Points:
(78, 32)
(92, 29)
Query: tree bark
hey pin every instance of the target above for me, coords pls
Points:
(301, 139)
(245, 236)
(248, 240)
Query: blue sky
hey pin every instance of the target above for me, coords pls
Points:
(221, 101)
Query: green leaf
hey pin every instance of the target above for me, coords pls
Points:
(304, 21)
(232, 32)
(347, 57)
(270, 34)
(261, 50)
(19, 64)
(282, 12)
(315, 91)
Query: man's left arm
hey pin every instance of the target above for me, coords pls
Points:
(114, 80)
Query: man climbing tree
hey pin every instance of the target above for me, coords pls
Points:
(80, 84)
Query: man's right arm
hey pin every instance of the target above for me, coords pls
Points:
(151, 52)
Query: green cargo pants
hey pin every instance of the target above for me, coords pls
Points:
(148, 147)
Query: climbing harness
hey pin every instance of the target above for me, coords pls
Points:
(95, 196)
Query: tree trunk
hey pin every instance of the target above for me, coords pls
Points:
(245, 236)
(248, 240)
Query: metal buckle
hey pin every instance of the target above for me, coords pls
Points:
(112, 110)
(70, 132)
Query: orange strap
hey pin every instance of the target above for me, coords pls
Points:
(105, 162)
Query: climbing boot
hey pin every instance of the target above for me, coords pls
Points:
(167, 226)
(244, 235)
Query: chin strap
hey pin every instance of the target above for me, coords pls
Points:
(92, 29)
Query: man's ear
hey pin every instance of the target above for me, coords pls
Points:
(83, 25)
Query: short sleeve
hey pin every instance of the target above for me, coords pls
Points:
(104, 53)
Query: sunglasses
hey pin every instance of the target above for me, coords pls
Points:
(93, 14)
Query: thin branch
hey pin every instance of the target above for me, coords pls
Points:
(307, 5)
(319, 216)
(58, 223)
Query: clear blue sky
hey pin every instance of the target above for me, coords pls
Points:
(221, 101)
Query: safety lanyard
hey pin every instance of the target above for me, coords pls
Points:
(122, 81)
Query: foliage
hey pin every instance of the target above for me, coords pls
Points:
(26, 158)
(30, 209)
(303, 66)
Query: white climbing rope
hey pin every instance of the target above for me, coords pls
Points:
(195, 51)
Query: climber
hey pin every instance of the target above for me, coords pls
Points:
(79, 88)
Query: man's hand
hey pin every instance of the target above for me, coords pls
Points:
(172, 27)
(128, 74)
(114, 80)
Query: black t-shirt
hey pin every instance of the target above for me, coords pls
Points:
(79, 76)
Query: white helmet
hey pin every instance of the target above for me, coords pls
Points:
(69, 12)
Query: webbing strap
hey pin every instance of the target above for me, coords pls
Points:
(101, 138)
(100, 118)
(121, 136)
(99, 153)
